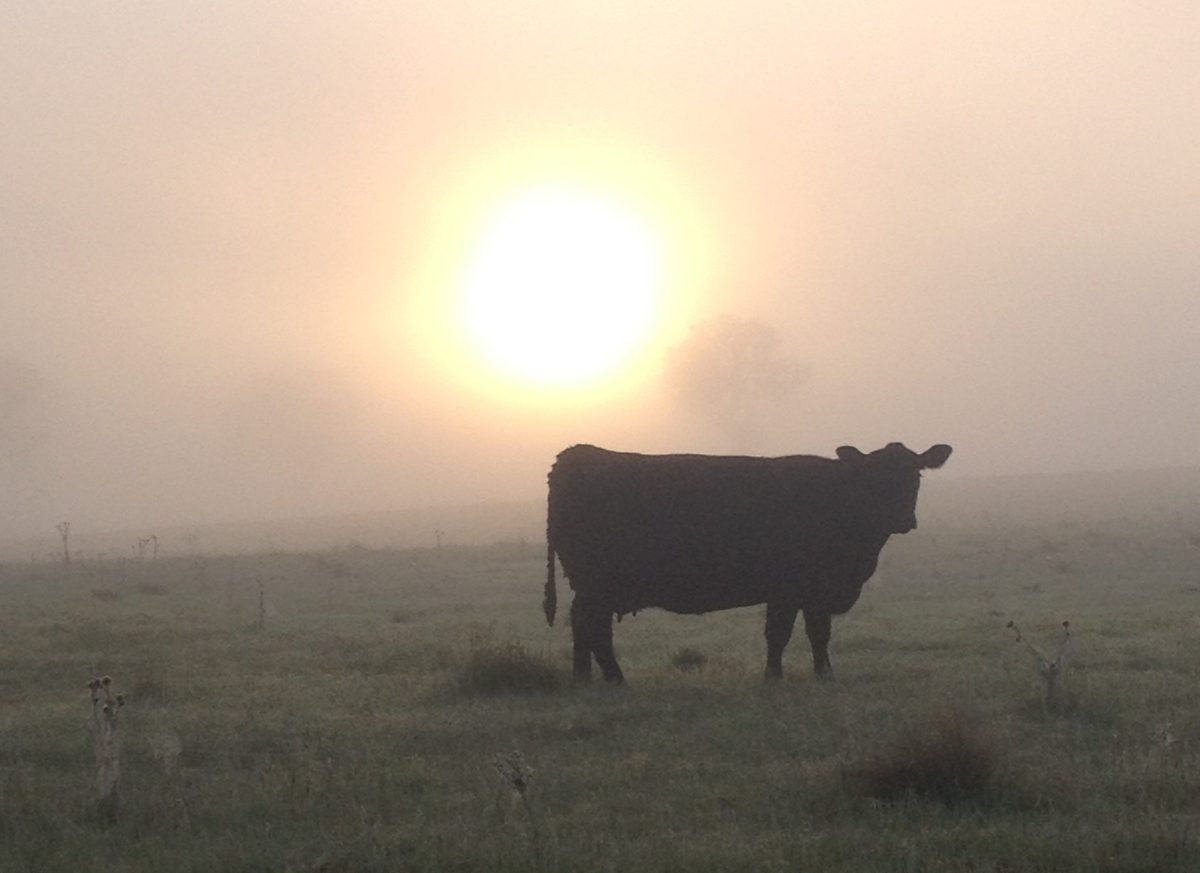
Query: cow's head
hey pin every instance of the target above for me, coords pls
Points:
(891, 477)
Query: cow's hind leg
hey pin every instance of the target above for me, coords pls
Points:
(594, 635)
(817, 624)
(603, 648)
(581, 641)
(780, 619)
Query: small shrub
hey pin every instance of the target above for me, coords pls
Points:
(945, 759)
(501, 668)
(689, 660)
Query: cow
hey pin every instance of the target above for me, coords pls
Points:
(697, 533)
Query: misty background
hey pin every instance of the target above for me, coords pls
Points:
(934, 222)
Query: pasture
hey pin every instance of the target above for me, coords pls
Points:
(352, 710)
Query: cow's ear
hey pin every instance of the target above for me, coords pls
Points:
(849, 453)
(934, 457)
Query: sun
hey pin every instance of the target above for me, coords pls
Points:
(561, 287)
(550, 272)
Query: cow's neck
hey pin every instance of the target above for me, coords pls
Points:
(865, 550)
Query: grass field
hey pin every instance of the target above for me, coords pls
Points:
(365, 710)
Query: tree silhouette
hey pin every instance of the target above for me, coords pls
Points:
(733, 373)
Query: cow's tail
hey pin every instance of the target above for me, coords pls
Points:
(550, 598)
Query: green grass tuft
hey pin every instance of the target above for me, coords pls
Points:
(946, 759)
(689, 660)
(506, 668)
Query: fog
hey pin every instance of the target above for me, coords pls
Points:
(976, 224)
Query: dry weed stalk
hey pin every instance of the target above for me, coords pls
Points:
(64, 531)
(513, 771)
(262, 606)
(106, 745)
(144, 542)
(515, 775)
(1049, 668)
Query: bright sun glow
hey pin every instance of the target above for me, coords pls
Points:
(562, 286)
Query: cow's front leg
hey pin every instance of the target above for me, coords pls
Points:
(817, 624)
(780, 619)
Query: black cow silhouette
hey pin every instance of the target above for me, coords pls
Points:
(697, 533)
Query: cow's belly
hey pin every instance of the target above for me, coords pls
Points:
(696, 592)
(697, 600)
(701, 591)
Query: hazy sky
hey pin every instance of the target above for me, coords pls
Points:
(974, 223)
